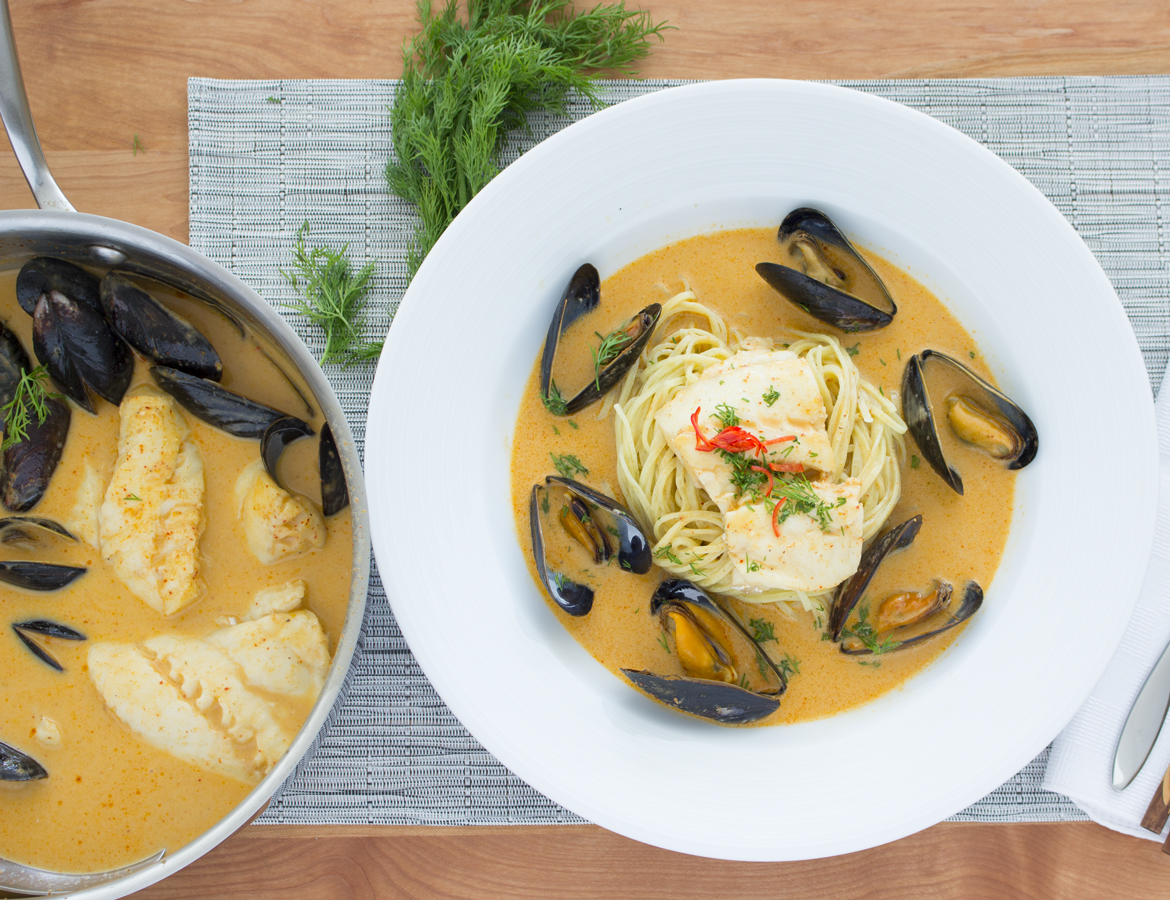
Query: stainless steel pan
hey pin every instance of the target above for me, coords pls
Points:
(57, 230)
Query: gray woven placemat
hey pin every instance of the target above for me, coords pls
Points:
(267, 155)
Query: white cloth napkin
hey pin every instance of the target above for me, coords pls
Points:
(1081, 764)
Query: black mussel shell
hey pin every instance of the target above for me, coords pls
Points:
(79, 348)
(48, 629)
(29, 464)
(38, 576)
(155, 331)
(923, 425)
(17, 766)
(14, 529)
(43, 274)
(851, 591)
(334, 492)
(858, 301)
(575, 599)
(276, 437)
(13, 363)
(582, 294)
(681, 591)
(216, 405)
(956, 612)
(633, 548)
(727, 704)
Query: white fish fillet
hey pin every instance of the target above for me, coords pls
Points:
(281, 598)
(154, 709)
(83, 519)
(277, 524)
(153, 516)
(286, 653)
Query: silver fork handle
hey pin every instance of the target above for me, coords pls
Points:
(19, 124)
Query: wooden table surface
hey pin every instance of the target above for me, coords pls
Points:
(100, 72)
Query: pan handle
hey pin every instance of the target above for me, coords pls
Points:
(19, 124)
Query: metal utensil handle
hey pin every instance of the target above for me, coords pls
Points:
(19, 124)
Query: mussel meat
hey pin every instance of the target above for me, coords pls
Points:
(937, 611)
(718, 683)
(155, 331)
(43, 274)
(79, 349)
(903, 618)
(38, 576)
(618, 351)
(215, 404)
(978, 414)
(897, 538)
(16, 766)
(825, 276)
(46, 629)
(334, 491)
(591, 519)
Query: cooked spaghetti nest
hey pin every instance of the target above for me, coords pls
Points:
(864, 426)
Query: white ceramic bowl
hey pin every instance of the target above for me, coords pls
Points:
(688, 161)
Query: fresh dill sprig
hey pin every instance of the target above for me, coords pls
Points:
(30, 393)
(466, 84)
(333, 297)
(553, 401)
(727, 415)
(762, 630)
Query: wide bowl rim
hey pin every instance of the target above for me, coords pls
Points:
(30, 233)
(433, 281)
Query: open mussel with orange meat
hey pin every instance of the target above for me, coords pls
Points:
(977, 414)
(602, 526)
(904, 618)
(728, 677)
(618, 351)
(824, 275)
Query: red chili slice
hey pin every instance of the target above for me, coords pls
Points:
(775, 514)
(771, 480)
(786, 467)
(701, 443)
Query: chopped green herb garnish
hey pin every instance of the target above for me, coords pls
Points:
(882, 361)
(273, 99)
(607, 351)
(624, 563)
(915, 462)
(854, 350)
(771, 395)
(544, 503)
(789, 665)
(751, 565)
(613, 531)
(726, 415)
(556, 431)
(30, 393)
(137, 146)
(568, 465)
(553, 401)
(762, 630)
(971, 353)
(668, 552)
(132, 497)
(867, 634)
(573, 424)
(743, 681)
(333, 297)
(662, 641)
(695, 570)
(898, 350)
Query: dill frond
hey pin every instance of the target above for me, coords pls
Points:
(333, 297)
(466, 84)
(30, 394)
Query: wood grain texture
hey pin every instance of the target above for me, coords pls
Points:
(100, 72)
(948, 862)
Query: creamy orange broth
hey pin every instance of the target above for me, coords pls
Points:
(961, 537)
(110, 798)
